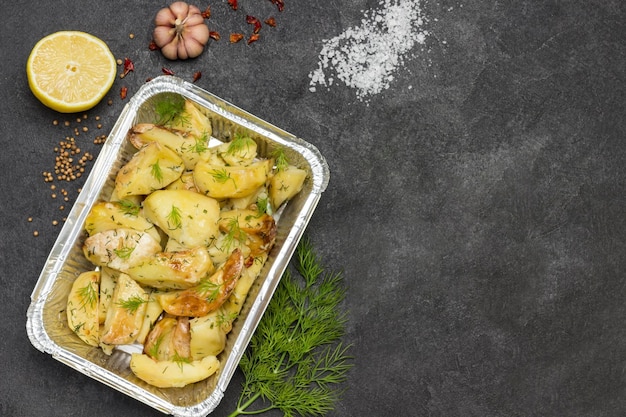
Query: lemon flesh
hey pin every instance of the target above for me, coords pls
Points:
(70, 71)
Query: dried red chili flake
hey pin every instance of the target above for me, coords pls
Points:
(167, 71)
(254, 21)
(235, 37)
(270, 21)
(253, 38)
(123, 92)
(153, 46)
(128, 67)
(196, 76)
(233, 4)
(214, 35)
(280, 4)
(206, 13)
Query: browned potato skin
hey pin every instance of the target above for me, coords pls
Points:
(260, 229)
(193, 302)
(169, 339)
(121, 325)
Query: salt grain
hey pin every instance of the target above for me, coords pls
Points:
(366, 57)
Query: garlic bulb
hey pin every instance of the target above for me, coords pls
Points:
(180, 31)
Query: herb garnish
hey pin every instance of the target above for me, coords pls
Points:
(170, 110)
(295, 358)
(132, 304)
(156, 171)
(129, 207)
(221, 176)
(88, 295)
(238, 144)
(174, 218)
(280, 159)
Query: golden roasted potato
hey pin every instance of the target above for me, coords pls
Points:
(173, 270)
(189, 218)
(185, 182)
(252, 269)
(108, 279)
(207, 296)
(220, 181)
(191, 119)
(126, 312)
(172, 374)
(208, 334)
(257, 230)
(153, 167)
(188, 146)
(120, 249)
(82, 307)
(169, 339)
(285, 184)
(153, 311)
(120, 214)
(241, 151)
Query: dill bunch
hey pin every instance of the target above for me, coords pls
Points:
(296, 359)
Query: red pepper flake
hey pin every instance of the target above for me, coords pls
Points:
(123, 92)
(280, 4)
(253, 38)
(214, 35)
(153, 46)
(270, 21)
(128, 67)
(235, 37)
(196, 76)
(206, 13)
(233, 4)
(254, 21)
(167, 71)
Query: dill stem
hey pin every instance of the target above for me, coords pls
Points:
(242, 408)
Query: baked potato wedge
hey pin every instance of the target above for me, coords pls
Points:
(120, 249)
(120, 214)
(126, 312)
(153, 167)
(173, 270)
(172, 374)
(189, 218)
(285, 184)
(208, 295)
(221, 181)
(190, 147)
(82, 307)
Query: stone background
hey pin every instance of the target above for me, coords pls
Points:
(476, 207)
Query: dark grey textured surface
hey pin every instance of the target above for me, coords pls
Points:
(476, 207)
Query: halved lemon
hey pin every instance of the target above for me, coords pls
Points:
(70, 71)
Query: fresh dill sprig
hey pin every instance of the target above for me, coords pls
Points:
(234, 234)
(129, 207)
(296, 359)
(156, 171)
(239, 143)
(170, 110)
(132, 304)
(174, 218)
(222, 176)
(280, 159)
(88, 295)
(209, 289)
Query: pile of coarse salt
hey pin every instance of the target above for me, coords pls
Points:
(366, 57)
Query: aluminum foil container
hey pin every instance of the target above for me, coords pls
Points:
(46, 317)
